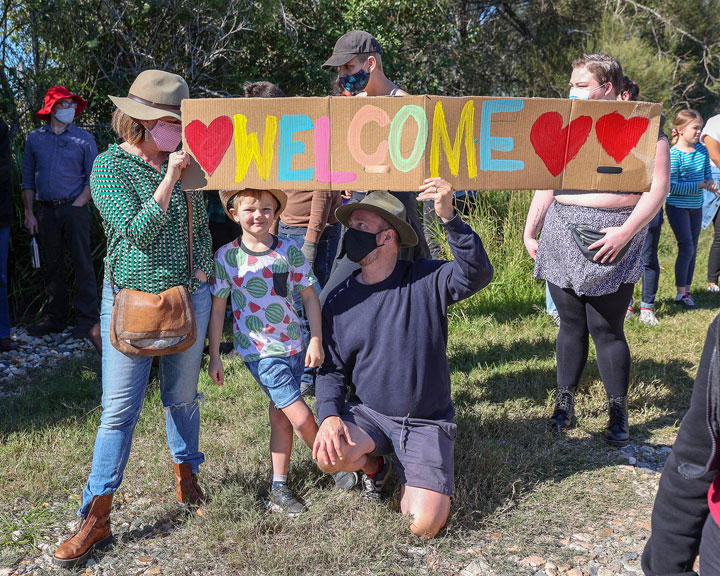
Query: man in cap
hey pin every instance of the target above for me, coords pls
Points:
(55, 189)
(358, 58)
(385, 336)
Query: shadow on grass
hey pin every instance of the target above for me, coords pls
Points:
(527, 375)
(499, 460)
(71, 390)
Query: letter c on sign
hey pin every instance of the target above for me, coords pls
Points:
(365, 115)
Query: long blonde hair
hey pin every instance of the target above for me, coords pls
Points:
(682, 119)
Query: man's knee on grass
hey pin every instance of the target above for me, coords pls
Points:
(428, 510)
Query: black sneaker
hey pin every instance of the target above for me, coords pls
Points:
(80, 331)
(346, 480)
(45, 327)
(372, 486)
(307, 390)
(283, 500)
(686, 302)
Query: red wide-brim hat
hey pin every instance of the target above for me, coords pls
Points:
(58, 93)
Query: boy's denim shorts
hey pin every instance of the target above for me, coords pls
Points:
(279, 377)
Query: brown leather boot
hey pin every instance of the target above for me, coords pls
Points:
(94, 533)
(187, 489)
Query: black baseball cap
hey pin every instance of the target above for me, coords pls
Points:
(350, 45)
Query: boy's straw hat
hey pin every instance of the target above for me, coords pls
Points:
(226, 197)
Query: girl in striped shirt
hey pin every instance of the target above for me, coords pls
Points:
(689, 174)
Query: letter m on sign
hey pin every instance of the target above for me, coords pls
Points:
(440, 134)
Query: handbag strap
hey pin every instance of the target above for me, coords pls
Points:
(188, 200)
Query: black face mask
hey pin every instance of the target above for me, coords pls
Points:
(358, 244)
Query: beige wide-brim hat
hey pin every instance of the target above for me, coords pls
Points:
(388, 207)
(227, 195)
(154, 94)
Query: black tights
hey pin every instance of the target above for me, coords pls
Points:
(603, 318)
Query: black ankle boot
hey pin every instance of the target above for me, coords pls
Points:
(618, 431)
(564, 415)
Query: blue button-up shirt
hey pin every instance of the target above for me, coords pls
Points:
(58, 166)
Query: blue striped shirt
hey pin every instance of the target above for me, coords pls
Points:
(687, 171)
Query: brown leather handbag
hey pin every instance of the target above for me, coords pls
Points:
(144, 324)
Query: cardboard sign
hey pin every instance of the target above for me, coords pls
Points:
(386, 143)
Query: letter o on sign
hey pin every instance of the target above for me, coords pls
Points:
(396, 131)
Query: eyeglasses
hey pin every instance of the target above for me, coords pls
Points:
(66, 105)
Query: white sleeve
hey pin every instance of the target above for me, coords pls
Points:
(712, 129)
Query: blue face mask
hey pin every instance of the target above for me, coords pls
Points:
(355, 83)
(582, 93)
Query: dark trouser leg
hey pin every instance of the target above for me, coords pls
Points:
(651, 272)
(695, 217)
(606, 320)
(76, 227)
(50, 240)
(430, 229)
(714, 257)
(572, 344)
(421, 250)
(679, 219)
(326, 250)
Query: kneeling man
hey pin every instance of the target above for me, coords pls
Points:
(385, 334)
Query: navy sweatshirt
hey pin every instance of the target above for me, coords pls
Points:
(387, 341)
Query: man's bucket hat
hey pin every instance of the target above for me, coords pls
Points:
(350, 45)
(58, 93)
(154, 94)
(227, 195)
(388, 207)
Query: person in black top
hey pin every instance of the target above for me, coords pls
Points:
(385, 334)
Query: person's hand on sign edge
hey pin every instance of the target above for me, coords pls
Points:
(441, 192)
(328, 447)
(609, 246)
(177, 162)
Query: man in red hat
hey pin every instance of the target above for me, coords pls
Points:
(55, 189)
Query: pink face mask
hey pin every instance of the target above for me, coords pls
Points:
(167, 136)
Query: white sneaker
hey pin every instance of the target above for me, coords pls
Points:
(630, 313)
(647, 316)
(713, 288)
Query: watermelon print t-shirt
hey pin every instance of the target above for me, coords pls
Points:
(260, 286)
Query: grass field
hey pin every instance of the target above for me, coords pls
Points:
(518, 487)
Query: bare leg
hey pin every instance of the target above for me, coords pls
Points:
(302, 420)
(429, 510)
(281, 439)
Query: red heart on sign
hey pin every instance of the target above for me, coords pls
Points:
(556, 145)
(618, 136)
(209, 144)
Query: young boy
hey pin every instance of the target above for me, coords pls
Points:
(260, 274)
